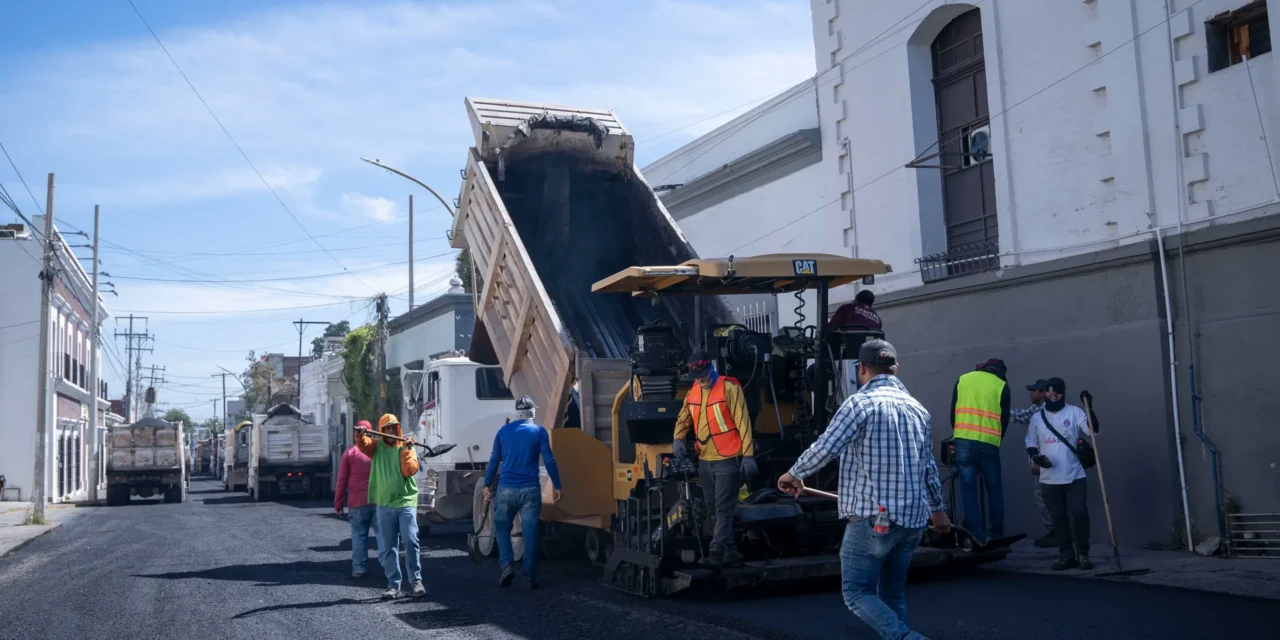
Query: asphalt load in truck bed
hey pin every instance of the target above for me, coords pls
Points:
(582, 220)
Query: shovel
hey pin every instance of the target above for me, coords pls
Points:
(427, 452)
(1106, 507)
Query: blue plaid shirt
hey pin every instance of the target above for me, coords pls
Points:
(883, 439)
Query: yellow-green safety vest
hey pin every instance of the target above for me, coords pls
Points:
(978, 407)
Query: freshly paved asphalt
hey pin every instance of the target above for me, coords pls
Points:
(221, 566)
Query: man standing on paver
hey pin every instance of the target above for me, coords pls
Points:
(352, 492)
(889, 488)
(393, 488)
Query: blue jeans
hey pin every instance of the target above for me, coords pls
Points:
(399, 523)
(873, 574)
(362, 519)
(527, 501)
(974, 458)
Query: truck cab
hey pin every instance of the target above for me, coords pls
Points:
(454, 401)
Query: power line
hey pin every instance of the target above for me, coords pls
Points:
(23, 180)
(237, 144)
(287, 278)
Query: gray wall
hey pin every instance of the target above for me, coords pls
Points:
(1098, 321)
(1233, 286)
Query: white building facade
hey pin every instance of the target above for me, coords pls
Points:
(71, 440)
(1085, 189)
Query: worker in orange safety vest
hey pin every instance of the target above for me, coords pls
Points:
(979, 420)
(715, 409)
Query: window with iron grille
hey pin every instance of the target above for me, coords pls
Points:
(1239, 35)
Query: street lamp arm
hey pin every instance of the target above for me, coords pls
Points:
(415, 180)
(235, 376)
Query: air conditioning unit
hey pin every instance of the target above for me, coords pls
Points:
(977, 144)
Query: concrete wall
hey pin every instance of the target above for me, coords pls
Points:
(1233, 276)
(449, 329)
(19, 355)
(1098, 321)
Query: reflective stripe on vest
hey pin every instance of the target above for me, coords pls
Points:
(978, 407)
(724, 432)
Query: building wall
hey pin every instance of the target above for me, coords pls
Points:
(448, 328)
(19, 354)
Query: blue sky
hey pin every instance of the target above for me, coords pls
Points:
(306, 88)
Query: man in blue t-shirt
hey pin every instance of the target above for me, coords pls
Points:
(517, 448)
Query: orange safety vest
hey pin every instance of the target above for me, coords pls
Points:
(724, 433)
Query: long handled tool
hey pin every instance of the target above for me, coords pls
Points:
(1106, 506)
(973, 544)
(428, 452)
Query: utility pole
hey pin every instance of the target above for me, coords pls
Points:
(410, 253)
(224, 399)
(381, 360)
(133, 342)
(95, 387)
(47, 274)
(302, 326)
(152, 379)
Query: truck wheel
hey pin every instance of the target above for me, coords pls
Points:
(598, 544)
(482, 522)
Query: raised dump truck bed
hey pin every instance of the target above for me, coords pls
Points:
(552, 202)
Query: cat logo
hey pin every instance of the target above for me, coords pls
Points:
(806, 267)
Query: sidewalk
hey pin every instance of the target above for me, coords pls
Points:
(1255, 578)
(15, 535)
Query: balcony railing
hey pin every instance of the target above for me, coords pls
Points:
(960, 261)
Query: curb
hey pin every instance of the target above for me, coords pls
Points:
(28, 541)
(1079, 575)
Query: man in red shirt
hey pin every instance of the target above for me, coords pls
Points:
(857, 314)
(353, 492)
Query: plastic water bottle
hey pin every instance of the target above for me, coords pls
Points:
(882, 521)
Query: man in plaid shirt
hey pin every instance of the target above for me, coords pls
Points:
(883, 440)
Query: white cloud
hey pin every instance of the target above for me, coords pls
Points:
(373, 207)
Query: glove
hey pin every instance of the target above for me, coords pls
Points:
(1042, 461)
(679, 448)
(749, 468)
(1086, 397)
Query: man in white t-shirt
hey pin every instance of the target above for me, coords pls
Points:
(1061, 475)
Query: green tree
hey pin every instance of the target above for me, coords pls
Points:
(334, 330)
(257, 382)
(178, 415)
(462, 266)
(359, 357)
(214, 425)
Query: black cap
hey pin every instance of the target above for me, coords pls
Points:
(699, 363)
(1038, 385)
(525, 403)
(1057, 385)
(878, 353)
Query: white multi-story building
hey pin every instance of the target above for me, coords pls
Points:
(1085, 189)
(71, 394)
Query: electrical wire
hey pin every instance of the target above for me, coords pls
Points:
(237, 144)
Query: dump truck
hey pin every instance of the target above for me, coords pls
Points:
(145, 459)
(235, 460)
(289, 456)
(453, 400)
(585, 280)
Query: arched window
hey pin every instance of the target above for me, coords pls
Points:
(968, 179)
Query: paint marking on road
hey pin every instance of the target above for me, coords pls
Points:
(645, 615)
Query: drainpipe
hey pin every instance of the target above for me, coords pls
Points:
(1173, 386)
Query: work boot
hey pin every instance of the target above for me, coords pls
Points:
(1064, 563)
(508, 573)
(357, 574)
(391, 593)
(418, 590)
(712, 560)
(1047, 541)
(531, 583)
(731, 559)
(1085, 563)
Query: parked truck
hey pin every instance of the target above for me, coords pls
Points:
(235, 461)
(453, 401)
(145, 459)
(289, 456)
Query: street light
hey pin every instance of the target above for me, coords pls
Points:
(422, 184)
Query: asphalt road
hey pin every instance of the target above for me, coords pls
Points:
(221, 566)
